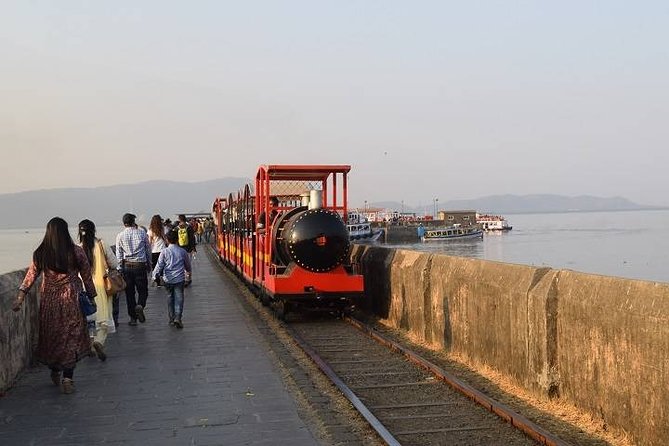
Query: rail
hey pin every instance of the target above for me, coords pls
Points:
(526, 426)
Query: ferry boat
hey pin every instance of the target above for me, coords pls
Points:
(489, 222)
(455, 232)
(360, 229)
(363, 232)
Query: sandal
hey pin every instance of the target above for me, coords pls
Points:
(67, 386)
(99, 351)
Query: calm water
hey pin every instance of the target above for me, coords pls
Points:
(625, 244)
(17, 245)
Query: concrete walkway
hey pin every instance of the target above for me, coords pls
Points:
(211, 383)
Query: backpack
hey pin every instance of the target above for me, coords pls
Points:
(183, 236)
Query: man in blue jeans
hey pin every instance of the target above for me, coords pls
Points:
(173, 265)
(133, 252)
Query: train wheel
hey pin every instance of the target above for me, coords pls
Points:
(264, 298)
(345, 312)
(282, 309)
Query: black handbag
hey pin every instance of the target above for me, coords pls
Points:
(87, 304)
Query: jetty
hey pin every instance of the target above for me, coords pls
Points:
(595, 343)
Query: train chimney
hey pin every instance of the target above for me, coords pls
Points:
(315, 199)
(304, 198)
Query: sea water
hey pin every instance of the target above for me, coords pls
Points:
(631, 244)
(17, 245)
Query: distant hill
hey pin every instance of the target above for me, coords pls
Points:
(526, 204)
(106, 205)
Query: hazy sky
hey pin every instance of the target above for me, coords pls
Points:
(447, 99)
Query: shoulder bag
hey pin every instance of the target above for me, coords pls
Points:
(114, 281)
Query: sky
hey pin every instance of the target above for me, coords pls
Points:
(424, 99)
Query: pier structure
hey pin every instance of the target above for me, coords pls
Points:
(597, 343)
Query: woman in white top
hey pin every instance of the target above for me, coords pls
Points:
(156, 238)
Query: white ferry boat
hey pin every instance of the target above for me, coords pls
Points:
(489, 222)
(360, 229)
(455, 232)
(364, 232)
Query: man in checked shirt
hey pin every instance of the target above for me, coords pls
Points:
(133, 252)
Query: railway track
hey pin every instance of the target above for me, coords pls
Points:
(406, 399)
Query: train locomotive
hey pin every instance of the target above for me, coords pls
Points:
(286, 237)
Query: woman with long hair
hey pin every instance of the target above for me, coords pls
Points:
(63, 339)
(156, 235)
(99, 258)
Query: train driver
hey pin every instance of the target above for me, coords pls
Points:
(273, 204)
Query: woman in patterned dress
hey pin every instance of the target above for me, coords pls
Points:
(99, 258)
(63, 339)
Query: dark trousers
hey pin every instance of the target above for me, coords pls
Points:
(154, 262)
(154, 259)
(135, 276)
(115, 309)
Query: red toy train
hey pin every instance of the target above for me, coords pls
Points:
(287, 238)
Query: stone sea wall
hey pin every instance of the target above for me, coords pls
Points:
(600, 343)
(18, 331)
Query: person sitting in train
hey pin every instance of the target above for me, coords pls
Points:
(274, 204)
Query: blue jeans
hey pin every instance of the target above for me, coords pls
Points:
(175, 302)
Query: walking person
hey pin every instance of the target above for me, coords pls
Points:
(199, 230)
(156, 239)
(133, 252)
(100, 257)
(420, 231)
(185, 234)
(167, 224)
(186, 240)
(63, 339)
(208, 227)
(173, 266)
